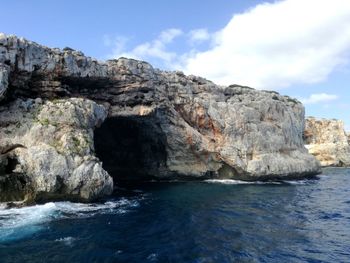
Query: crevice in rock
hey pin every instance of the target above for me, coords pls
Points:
(14, 187)
(132, 148)
(11, 164)
(227, 171)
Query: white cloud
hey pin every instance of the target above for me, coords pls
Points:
(319, 97)
(167, 36)
(153, 49)
(278, 44)
(116, 43)
(198, 35)
(271, 46)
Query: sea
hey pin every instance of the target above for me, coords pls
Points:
(207, 221)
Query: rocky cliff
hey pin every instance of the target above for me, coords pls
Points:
(327, 141)
(82, 122)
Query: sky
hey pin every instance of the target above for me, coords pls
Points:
(299, 48)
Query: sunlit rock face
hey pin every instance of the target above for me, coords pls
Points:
(55, 150)
(135, 123)
(327, 141)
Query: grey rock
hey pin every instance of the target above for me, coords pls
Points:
(56, 150)
(160, 125)
(3, 80)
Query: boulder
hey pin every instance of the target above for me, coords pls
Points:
(51, 153)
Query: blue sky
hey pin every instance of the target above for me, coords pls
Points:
(299, 48)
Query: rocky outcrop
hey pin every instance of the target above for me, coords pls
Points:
(57, 158)
(327, 141)
(3, 80)
(159, 125)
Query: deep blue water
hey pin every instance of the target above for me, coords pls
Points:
(299, 221)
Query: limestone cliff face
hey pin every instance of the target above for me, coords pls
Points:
(327, 141)
(57, 157)
(159, 125)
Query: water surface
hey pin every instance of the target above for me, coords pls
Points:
(211, 221)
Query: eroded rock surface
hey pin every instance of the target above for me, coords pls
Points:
(327, 141)
(160, 125)
(58, 159)
(4, 76)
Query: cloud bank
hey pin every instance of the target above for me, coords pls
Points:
(318, 98)
(277, 45)
(198, 36)
(271, 46)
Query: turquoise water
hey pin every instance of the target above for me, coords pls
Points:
(228, 221)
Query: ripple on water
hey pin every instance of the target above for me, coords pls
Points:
(212, 221)
(17, 223)
(238, 182)
(232, 181)
(68, 241)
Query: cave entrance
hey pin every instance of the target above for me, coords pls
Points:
(132, 149)
(13, 186)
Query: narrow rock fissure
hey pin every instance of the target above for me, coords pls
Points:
(11, 164)
(132, 149)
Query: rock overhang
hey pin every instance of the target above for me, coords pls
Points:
(205, 127)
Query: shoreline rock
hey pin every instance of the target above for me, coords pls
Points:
(149, 124)
(327, 141)
(57, 159)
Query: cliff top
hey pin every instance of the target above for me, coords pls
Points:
(24, 65)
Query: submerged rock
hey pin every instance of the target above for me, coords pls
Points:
(327, 141)
(153, 124)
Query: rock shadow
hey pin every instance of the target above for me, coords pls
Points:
(132, 149)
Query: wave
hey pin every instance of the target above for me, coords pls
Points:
(298, 182)
(232, 181)
(68, 241)
(17, 223)
(237, 182)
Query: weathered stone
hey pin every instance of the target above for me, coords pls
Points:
(160, 125)
(3, 80)
(58, 156)
(327, 141)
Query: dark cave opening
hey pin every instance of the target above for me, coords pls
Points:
(13, 186)
(132, 149)
(11, 164)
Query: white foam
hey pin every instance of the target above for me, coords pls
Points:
(16, 223)
(3, 205)
(152, 257)
(21, 216)
(232, 181)
(227, 181)
(68, 241)
(298, 182)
